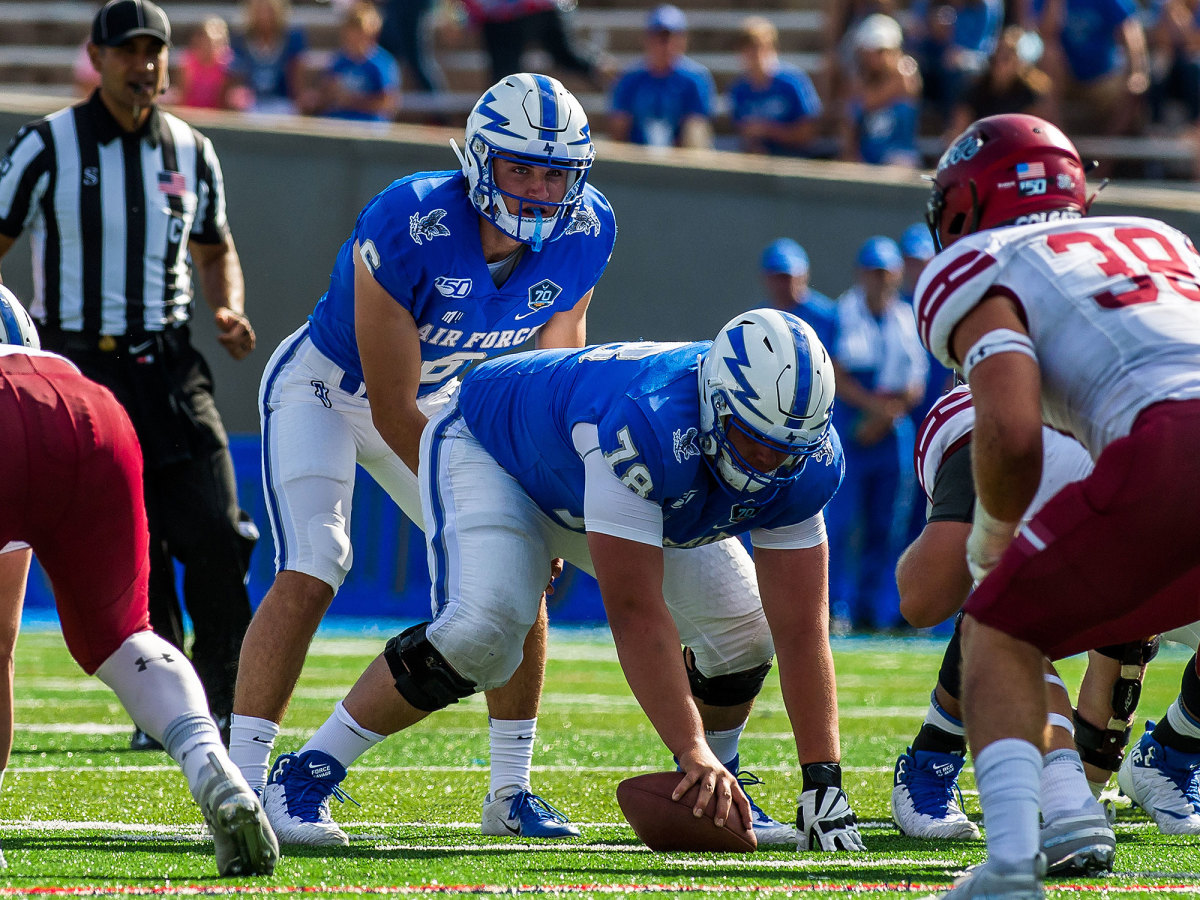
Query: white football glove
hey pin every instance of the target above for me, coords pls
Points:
(826, 822)
(988, 540)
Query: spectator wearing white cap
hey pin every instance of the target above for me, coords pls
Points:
(667, 99)
(785, 272)
(880, 126)
(880, 368)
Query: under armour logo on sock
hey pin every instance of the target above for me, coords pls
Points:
(141, 662)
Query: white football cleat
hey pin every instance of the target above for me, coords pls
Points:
(296, 798)
(1165, 783)
(244, 841)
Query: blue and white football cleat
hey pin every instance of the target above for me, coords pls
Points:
(1165, 783)
(296, 798)
(522, 813)
(926, 801)
(767, 831)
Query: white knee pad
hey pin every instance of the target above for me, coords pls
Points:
(483, 649)
(326, 554)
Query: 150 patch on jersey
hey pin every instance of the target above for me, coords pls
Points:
(454, 288)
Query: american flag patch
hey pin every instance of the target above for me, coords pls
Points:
(1031, 170)
(173, 184)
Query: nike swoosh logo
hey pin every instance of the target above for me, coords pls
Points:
(259, 740)
(138, 348)
(516, 831)
(525, 315)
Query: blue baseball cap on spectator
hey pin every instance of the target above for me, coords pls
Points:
(917, 243)
(666, 18)
(785, 255)
(880, 252)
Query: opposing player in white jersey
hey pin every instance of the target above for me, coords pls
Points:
(71, 492)
(1092, 325)
(934, 582)
(442, 269)
(639, 462)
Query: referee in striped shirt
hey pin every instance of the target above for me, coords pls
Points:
(117, 193)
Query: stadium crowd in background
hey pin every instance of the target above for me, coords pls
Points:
(894, 79)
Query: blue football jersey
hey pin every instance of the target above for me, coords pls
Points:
(644, 400)
(422, 236)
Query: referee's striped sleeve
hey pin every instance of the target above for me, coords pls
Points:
(210, 225)
(24, 174)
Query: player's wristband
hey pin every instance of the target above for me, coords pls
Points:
(823, 774)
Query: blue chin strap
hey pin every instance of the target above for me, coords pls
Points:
(537, 231)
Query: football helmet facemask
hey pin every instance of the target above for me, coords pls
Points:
(768, 376)
(532, 119)
(1007, 169)
(16, 325)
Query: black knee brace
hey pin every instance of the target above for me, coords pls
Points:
(1105, 747)
(422, 675)
(724, 690)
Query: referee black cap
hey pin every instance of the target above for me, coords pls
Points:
(121, 20)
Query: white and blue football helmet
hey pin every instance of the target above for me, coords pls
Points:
(768, 376)
(16, 325)
(536, 120)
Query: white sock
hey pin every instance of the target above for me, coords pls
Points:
(190, 739)
(251, 741)
(511, 742)
(724, 744)
(154, 681)
(1064, 787)
(1181, 721)
(937, 716)
(342, 737)
(1008, 775)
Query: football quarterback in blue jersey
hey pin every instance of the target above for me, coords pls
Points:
(640, 463)
(442, 270)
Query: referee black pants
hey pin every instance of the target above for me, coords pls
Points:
(191, 494)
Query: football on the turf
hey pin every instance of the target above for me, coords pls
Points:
(666, 824)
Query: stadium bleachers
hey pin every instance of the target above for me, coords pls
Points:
(40, 41)
(41, 38)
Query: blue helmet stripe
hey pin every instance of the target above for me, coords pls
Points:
(804, 369)
(549, 125)
(11, 325)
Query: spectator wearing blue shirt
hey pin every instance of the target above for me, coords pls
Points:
(785, 275)
(268, 58)
(880, 367)
(666, 99)
(774, 107)
(881, 123)
(951, 41)
(363, 81)
(1097, 56)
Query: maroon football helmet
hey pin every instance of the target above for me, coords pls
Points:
(1005, 169)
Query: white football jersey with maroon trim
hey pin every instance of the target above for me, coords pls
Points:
(948, 426)
(1112, 306)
